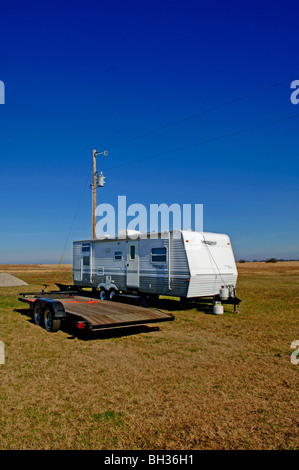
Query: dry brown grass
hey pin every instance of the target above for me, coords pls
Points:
(262, 268)
(200, 382)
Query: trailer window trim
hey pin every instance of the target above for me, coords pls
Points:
(159, 254)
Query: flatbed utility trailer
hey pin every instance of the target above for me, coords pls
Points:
(49, 309)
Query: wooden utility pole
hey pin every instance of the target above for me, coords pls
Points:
(100, 182)
(94, 194)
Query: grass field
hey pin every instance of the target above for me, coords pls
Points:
(201, 382)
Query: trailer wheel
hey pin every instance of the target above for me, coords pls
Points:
(103, 293)
(111, 294)
(51, 323)
(37, 314)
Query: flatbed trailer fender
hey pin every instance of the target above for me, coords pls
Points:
(56, 306)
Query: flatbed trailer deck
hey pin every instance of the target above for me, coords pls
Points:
(49, 309)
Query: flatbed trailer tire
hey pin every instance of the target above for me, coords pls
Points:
(37, 314)
(51, 324)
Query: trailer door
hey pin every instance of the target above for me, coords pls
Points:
(132, 265)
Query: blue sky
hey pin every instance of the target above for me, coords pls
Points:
(84, 75)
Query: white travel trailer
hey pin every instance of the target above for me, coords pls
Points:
(180, 263)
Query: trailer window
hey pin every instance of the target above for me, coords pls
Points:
(158, 255)
(118, 255)
(132, 251)
(86, 260)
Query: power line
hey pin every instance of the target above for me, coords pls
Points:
(200, 113)
(214, 139)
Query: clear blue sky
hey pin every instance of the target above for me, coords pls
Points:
(89, 74)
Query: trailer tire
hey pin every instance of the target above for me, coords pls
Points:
(103, 294)
(111, 294)
(51, 323)
(37, 314)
